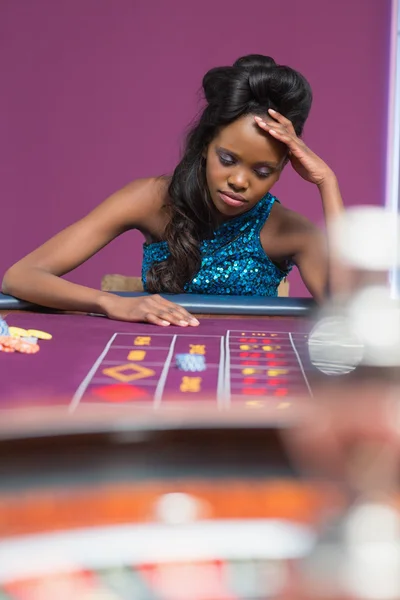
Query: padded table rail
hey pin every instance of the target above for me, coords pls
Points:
(206, 304)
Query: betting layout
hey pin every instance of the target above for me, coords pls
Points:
(238, 366)
(98, 362)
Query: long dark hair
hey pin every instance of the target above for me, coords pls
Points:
(252, 85)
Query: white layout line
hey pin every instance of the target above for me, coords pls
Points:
(107, 380)
(170, 335)
(76, 398)
(224, 373)
(227, 391)
(300, 364)
(153, 364)
(268, 334)
(221, 381)
(163, 377)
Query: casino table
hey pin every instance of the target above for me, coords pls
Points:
(123, 476)
(96, 372)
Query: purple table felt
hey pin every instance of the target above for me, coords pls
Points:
(92, 363)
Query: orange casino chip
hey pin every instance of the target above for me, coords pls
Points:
(6, 349)
(12, 344)
(27, 348)
(7, 341)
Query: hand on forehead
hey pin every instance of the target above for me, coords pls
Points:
(249, 143)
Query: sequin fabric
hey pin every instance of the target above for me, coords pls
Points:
(233, 260)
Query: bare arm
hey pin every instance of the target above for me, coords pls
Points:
(311, 258)
(307, 245)
(313, 255)
(295, 238)
(37, 277)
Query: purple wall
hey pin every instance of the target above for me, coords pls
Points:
(96, 93)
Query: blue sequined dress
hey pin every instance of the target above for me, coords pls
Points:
(233, 260)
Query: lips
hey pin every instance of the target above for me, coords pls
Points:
(232, 199)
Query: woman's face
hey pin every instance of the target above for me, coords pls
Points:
(242, 164)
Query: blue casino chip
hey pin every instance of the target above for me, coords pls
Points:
(190, 362)
(30, 339)
(4, 328)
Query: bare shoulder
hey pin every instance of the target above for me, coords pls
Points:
(153, 188)
(288, 221)
(141, 201)
(287, 233)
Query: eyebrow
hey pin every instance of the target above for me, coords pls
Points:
(265, 163)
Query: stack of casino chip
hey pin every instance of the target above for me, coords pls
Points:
(190, 362)
(15, 339)
(4, 331)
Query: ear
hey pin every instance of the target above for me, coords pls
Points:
(205, 152)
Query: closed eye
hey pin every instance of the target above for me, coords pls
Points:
(225, 159)
(263, 174)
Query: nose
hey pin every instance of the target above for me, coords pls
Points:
(238, 180)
